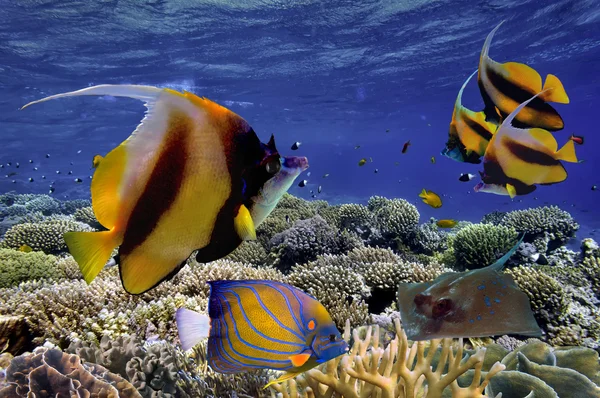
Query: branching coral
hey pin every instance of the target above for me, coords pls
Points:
(86, 215)
(359, 219)
(17, 267)
(546, 227)
(249, 252)
(46, 236)
(428, 239)
(396, 218)
(479, 245)
(396, 371)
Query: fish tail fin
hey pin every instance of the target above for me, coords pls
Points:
(512, 191)
(567, 152)
(143, 93)
(488, 41)
(284, 377)
(192, 327)
(92, 250)
(558, 93)
(423, 193)
(499, 264)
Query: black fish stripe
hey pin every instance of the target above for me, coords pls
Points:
(478, 129)
(530, 155)
(518, 94)
(162, 187)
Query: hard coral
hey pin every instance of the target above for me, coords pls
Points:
(479, 245)
(17, 267)
(546, 227)
(50, 372)
(396, 218)
(46, 236)
(249, 252)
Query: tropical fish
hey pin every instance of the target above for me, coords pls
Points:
(594, 187)
(405, 146)
(25, 249)
(478, 303)
(576, 139)
(505, 86)
(180, 182)
(529, 156)
(446, 223)
(432, 160)
(296, 145)
(302, 183)
(362, 162)
(506, 189)
(260, 324)
(357, 146)
(469, 133)
(96, 160)
(431, 198)
(466, 177)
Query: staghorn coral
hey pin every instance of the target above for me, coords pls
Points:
(397, 370)
(50, 372)
(396, 218)
(46, 236)
(17, 267)
(546, 227)
(479, 245)
(250, 252)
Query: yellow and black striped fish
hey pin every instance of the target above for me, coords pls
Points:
(260, 324)
(180, 182)
(469, 133)
(505, 86)
(527, 156)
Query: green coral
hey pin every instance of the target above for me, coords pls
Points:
(250, 252)
(17, 267)
(46, 236)
(479, 245)
(396, 218)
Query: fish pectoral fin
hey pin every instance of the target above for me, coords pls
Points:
(512, 191)
(91, 250)
(556, 91)
(567, 153)
(300, 359)
(523, 76)
(284, 377)
(244, 225)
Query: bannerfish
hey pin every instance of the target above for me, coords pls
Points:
(96, 160)
(529, 156)
(261, 324)
(180, 182)
(576, 139)
(296, 145)
(405, 146)
(505, 86)
(478, 303)
(431, 198)
(446, 223)
(466, 177)
(469, 133)
(362, 162)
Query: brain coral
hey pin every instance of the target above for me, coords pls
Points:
(479, 245)
(46, 236)
(546, 227)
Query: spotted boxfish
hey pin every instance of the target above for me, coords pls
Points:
(260, 324)
(477, 303)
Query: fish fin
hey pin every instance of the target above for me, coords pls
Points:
(499, 264)
(244, 225)
(558, 93)
(458, 103)
(284, 377)
(300, 359)
(544, 137)
(192, 327)
(523, 75)
(91, 250)
(567, 152)
(488, 40)
(423, 194)
(512, 191)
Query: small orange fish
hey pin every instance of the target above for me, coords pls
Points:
(405, 147)
(446, 223)
(431, 198)
(362, 162)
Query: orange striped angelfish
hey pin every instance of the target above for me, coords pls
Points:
(182, 181)
(527, 156)
(261, 324)
(505, 86)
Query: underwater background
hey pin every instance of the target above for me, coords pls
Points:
(334, 76)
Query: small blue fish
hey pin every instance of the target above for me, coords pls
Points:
(260, 324)
(478, 303)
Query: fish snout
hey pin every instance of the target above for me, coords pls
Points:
(296, 162)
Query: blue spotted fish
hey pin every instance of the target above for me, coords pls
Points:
(259, 324)
(477, 303)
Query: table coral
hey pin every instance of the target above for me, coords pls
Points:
(396, 371)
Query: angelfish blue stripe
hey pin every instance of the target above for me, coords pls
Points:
(304, 323)
(290, 309)
(243, 311)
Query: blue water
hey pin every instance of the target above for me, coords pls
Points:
(331, 74)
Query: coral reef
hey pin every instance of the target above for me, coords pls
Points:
(479, 245)
(46, 236)
(17, 267)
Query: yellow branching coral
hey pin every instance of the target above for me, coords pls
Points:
(398, 370)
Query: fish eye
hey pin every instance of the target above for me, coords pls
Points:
(273, 166)
(332, 338)
(441, 307)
